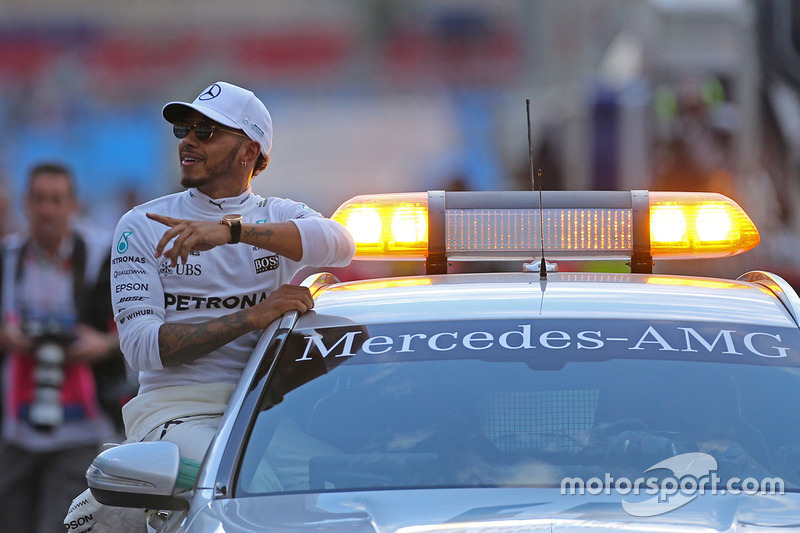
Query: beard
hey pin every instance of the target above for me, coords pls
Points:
(216, 173)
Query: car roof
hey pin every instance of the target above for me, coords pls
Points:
(562, 295)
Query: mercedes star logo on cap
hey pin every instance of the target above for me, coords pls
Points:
(211, 93)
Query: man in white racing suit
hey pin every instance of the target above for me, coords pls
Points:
(196, 275)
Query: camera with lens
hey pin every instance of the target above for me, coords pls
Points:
(51, 335)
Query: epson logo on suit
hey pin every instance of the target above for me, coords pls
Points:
(132, 287)
(265, 264)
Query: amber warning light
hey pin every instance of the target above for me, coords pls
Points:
(587, 225)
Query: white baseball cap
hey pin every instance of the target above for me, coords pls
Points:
(231, 106)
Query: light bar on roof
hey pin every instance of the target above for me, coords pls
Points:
(462, 226)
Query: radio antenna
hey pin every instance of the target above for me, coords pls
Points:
(542, 262)
(530, 142)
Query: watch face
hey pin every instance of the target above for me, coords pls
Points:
(231, 219)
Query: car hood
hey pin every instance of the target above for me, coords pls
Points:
(482, 510)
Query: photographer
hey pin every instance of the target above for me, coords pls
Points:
(53, 424)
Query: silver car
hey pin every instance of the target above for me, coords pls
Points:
(534, 400)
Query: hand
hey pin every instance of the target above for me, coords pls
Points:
(284, 298)
(189, 235)
(13, 339)
(91, 345)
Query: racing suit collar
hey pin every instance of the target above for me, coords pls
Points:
(207, 204)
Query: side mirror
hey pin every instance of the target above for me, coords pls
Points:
(139, 474)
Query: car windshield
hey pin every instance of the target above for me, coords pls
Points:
(509, 403)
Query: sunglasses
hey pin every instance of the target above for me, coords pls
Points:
(203, 130)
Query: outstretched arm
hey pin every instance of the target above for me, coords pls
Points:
(283, 238)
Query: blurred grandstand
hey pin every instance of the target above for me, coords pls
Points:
(390, 95)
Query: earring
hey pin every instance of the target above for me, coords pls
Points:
(244, 163)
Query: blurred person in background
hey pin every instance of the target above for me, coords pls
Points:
(697, 152)
(55, 329)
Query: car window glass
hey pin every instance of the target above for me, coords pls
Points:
(372, 407)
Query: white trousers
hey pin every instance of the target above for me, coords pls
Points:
(204, 406)
(192, 435)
